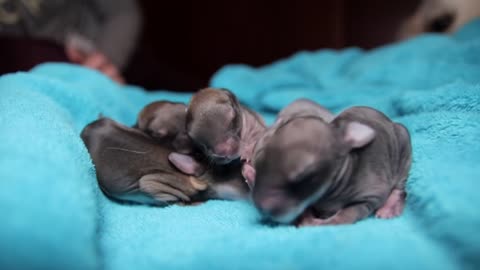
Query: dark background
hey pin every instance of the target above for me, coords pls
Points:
(185, 42)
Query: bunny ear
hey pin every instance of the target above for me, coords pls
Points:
(249, 173)
(357, 135)
(186, 164)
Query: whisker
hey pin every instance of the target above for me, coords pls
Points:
(127, 150)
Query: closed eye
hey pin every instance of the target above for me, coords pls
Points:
(303, 185)
(235, 124)
(303, 173)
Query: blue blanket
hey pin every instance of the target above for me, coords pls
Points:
(53, 215)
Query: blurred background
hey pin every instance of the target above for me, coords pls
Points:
(178, 45)
(186, 41)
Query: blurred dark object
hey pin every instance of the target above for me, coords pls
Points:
(99, 34)
(18, 53)
(185, 42)
(110, 27)
(439, 16)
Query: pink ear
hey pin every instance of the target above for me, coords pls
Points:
(186, 164)
(358, 135)
(249, 173)
(278, 120)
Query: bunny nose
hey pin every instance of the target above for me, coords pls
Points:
(227, 148)
(269, 207)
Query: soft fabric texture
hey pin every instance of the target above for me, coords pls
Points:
(55, 217)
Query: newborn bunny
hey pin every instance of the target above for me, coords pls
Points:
(132, 166)
(165, 122)
(314, 172)
(299, 107)
(222, 128)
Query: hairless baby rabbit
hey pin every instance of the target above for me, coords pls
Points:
(132, 166)
(223, 129)
(311, 168)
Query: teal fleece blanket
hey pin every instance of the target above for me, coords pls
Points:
(53, 216)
